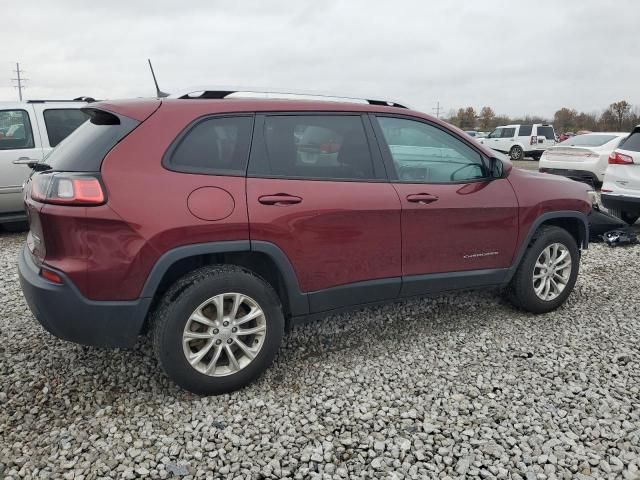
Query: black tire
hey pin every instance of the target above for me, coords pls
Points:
(521, 289)
(180, 302)
(516, 153)
(627, 217)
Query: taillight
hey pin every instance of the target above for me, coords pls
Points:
(533, 140)
(67, 189)
(619, 159)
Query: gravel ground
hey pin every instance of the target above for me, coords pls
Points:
(457, 386)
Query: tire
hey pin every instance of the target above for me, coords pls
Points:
(522, 289)
(627, 217)
(516, 153)
(176, 318)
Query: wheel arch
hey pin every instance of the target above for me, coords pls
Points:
(574, 222)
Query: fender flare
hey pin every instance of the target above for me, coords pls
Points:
(298, 301)
(584, 235)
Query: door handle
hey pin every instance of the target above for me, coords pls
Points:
(422, 198)
(279, 199)
(24, 161)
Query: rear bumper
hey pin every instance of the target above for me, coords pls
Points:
(626, 204)
(64, 312)
(579, 175)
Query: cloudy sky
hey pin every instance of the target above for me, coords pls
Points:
(516, 56)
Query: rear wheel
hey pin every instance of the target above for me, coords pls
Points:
(548, 271)
(217, 329)
(627, 217)
(516, 152)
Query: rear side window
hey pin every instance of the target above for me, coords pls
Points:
(215, 145)
(85, 148)
(508, 132)
(547, 132)
(525, 130)
(15, 130)
(632, 142)
(60, 122)
(331, 147)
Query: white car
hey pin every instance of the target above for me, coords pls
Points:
(518, 141)
(28, 131)
(583, 158)
(620, 191)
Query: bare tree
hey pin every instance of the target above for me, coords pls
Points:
(620, 110)
(486, 117)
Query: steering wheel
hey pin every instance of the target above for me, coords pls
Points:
(475, 165)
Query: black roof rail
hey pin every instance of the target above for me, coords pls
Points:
(77, 99)
(254, 93)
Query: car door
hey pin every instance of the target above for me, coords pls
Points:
(19, 144)
(317, 190)
(493, 139)
(459, 227)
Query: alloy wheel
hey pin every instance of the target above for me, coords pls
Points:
(552, 271)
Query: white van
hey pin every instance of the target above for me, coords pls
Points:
(521, 141)
(28, 131)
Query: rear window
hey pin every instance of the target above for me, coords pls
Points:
(85, 148)
(632, 142)
(60, 122)
(216, 145)
(546, 132)
(587, 140)
(525, 130)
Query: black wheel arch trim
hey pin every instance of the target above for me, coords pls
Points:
(584, 234)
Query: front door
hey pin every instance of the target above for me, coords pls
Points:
(19, 143)
(454, 218)
(317, 191)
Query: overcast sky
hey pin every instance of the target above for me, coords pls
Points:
(518, 57)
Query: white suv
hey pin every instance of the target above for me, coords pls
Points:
(28, 131)
(620, 191)
(521, 140)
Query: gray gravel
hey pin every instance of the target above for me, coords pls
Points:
(458, 386)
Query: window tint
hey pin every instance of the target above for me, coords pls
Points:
(60, 122)
(15, 130)
(587, 140)
(508, 132)
(632, 142)
(423, 153)
(214, 145)
(525, 130)
(546, 132)
(318, 146)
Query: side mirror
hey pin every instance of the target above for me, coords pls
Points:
(496, 168)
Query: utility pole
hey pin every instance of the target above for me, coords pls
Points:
(437, 109)
(20, 80)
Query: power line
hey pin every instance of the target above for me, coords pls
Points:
(437, 109)
(20, 80)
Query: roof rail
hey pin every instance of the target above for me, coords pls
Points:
(77, 99)
(222, 92)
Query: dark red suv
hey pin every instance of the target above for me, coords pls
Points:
(215, 223)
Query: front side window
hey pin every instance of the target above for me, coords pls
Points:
(15, 130)
(497, 133)
(60, 122)
(214, 145)
(423, 153)
(330, 147)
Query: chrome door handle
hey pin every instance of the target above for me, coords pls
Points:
(24, 161)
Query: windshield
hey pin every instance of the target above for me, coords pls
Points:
(587, 140)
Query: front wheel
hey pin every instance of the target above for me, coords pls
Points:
(548, 271)
(516, 152)
(217, 329)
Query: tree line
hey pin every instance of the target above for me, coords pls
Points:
(619, 116)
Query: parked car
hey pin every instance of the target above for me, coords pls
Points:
(620, 191)
(28, 131)
(565, 136)
(521, 141)
(583, 157)
(206, 221)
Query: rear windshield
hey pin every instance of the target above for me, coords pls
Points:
(632, 142)
(546, 132)
(85, 148)
(587, 140)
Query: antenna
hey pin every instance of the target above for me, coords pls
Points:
(159, 93)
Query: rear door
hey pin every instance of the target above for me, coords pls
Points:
(19, 144)
(455, 220)
(317, 190)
